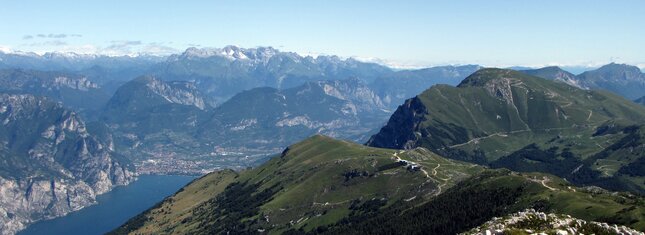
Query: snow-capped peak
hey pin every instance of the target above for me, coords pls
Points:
(69, 55)
(5, 50)
(232, 53)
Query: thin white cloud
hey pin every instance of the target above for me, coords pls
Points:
(159, 49)
(53, 35)
(130, 47)
(52, 43)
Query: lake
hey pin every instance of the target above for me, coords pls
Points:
(113, 208)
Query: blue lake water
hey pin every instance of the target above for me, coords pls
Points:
(113, 208)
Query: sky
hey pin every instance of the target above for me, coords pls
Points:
(399, 33)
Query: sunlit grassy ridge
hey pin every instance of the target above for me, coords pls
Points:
(505, 118)
(324, 185)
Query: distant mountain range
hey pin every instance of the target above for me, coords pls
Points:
(212, 96)
(208, 109)
(555, 73)
(163, 119)
(52, 162)
(106, 71)
(69, 61)
(625, 80)
(215, 96)
(505, 118)
(222, 73)
(75, 91)
(396, 87)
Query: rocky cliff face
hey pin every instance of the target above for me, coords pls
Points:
(52, 164)
(400, 131)
(355, 91)
(176, 92)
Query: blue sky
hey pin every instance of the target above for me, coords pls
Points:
(494, 33)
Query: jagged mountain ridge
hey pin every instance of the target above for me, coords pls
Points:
(224, 72)
(51, 163)
(509, 119)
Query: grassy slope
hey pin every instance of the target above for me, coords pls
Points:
(323, 182)
(496, 193)
(176, 208)
(313, 182)
(495, 113)
(531, 105)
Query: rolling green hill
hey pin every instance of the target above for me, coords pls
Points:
(322, 185)
(510, 119)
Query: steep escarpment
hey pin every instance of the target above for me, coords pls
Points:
(400, 129)
(51, 163)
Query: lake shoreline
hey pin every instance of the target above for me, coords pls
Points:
(114, 207)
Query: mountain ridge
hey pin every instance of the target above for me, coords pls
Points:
(495, 115)
(328, 186)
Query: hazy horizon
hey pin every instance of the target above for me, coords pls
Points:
(583, 34)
